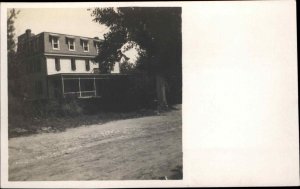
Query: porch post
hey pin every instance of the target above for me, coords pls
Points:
(63, 87)
(95, 87)
(79, 87)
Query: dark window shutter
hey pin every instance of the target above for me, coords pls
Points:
(57, 64)
(73, 65)
(87, 65)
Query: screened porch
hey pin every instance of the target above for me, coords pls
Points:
(80, 85)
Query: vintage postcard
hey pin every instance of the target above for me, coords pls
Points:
(154, 94)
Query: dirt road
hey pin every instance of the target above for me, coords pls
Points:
(132, 149)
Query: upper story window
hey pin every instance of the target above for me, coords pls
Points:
(57, 64)
(71, 44)
(85, 45)
(97, 46)
(55, 42)
(87, 65)
(73, 65)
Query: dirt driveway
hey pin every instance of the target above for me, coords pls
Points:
(132, 149)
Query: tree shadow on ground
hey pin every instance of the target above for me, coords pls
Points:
(24, 127)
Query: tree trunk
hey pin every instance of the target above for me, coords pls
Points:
(161, 85)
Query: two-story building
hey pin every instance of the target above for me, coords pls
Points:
(60, 65)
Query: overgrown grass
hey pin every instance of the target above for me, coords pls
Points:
(30, 117)
(20, 125)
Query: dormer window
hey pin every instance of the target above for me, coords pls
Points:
(97, 47)
(97, 44)
(85, 45)
(71, 43)
(55, 43)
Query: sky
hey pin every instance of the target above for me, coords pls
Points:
(72, 21)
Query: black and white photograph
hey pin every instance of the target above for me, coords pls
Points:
(94, 94)
(149, 94)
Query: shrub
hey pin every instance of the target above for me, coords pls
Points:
(71, 108)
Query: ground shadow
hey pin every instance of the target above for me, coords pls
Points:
(27, 127)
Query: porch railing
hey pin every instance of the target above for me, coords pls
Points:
(81, 94)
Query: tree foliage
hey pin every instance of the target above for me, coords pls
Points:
(12, 63)
(11, 44)
(157, 31)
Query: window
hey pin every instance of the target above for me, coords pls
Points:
(73, 65)
(85, 46)
(71, 43)
(97, 46)
(55, 42)
(57, 64)
(87, 65)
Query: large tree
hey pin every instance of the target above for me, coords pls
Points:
(155, 32)
(12, 62)
(11, 44)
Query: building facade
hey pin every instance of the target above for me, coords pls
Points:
(60, 65)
